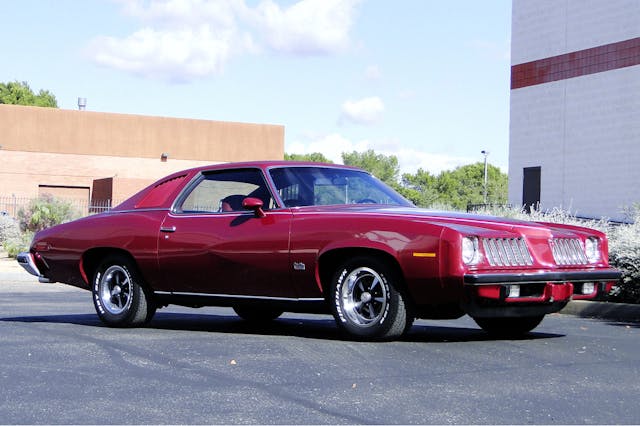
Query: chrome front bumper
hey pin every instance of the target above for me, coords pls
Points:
(26, 260)
(594, 275)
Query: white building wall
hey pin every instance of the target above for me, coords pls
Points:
(545, 28)
(583, 132)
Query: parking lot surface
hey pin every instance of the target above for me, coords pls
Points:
(59, 364)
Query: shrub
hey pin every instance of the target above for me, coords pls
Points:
(44, 212)
(9, 228)
(17, 243)
(624, 254)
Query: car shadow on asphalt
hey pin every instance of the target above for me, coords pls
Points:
(312, 328)
(625, 324)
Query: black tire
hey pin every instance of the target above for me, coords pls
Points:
(257, 313)
(119, 296)
(367, 301)
(509, 327)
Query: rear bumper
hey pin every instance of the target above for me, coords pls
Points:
(28, 262)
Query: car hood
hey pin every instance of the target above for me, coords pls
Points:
(481, 225)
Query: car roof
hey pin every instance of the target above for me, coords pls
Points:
(266, 165)
(188, 174)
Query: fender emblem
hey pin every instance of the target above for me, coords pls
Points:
(299, 266)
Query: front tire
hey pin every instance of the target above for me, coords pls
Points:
(367, 301)
(119, 296)
(509, 327)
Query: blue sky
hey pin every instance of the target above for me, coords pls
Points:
(425, 80)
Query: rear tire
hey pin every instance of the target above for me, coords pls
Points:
(367, 301)
(119, 296)
(509, 327)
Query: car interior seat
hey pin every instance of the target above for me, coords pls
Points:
(232, 203)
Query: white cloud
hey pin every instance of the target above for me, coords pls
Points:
(409, 159)
(331, 146)
(184, 12)
(171, 55)
(306, 27)
(185, 39)
(363, 111)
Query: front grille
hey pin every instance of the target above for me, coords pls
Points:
(507, 252)
(568, 251)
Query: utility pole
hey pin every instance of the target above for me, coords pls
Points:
(485, 153)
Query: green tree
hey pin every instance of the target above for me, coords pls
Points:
(455, 188)
(384, 167)
(420, 188)
(465, 185)
(314, 156)
(19, 93)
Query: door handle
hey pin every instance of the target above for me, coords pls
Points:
(167, 229)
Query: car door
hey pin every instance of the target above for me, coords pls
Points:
(209, 244)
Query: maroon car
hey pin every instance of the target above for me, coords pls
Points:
(269, 237)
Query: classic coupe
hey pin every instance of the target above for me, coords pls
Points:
(268, 237)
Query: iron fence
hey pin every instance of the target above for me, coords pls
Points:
(481, 206)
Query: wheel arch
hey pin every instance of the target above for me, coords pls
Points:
(331, 260)
(92, 258)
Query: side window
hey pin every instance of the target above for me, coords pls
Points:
(294, 187)
(220, 192)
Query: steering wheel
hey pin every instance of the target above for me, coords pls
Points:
(366, 201)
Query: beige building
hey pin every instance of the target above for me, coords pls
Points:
(104, 157)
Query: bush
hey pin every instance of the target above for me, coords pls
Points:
(41, 213)
(17, 244)
(45, 212)
(9, 228)
(624, 254)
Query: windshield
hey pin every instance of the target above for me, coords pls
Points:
(316, 186)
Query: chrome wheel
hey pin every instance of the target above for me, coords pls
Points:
(364, 297)
(367, 300)
(120, 296)
(115, 290)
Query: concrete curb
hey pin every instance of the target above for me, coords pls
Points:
(603, 310)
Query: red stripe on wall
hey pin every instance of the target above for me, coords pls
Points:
(575, 64)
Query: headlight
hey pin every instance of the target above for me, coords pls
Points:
(470, 251)
(592, 249)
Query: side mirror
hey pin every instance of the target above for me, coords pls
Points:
(255, 204)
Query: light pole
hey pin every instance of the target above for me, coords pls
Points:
(485, 153)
